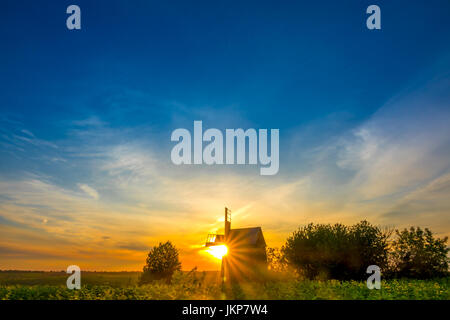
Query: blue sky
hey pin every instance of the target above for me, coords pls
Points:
(86, 118)
(273, 62)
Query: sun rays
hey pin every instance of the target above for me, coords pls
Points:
(218, 252)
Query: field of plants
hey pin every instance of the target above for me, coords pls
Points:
(204, 285)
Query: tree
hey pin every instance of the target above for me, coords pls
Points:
(336, 251)
(418, 254)
(275, 260)
(162, 261)
(371, 245)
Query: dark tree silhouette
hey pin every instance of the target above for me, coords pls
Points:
(162, 261)
(416, 253)
(336, 251)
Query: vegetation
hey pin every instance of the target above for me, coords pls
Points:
(324, 251)
(336, 251)
(162, 261)
(301, 269)
(276, 261)
(418, 254)
(58, 278)
(203, 285)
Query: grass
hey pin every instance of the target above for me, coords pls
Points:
(204, 285)
(32, 278)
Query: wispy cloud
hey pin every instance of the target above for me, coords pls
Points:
(89, 190)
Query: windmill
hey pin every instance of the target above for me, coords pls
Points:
(243, 251)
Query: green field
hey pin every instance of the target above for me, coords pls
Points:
(205, 285)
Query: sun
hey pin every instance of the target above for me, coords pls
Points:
(217, 251)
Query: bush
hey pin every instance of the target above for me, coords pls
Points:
(418, 254)
(276, 261)
(162, 262)
(336, 251)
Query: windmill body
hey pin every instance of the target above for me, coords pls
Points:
(246, 258)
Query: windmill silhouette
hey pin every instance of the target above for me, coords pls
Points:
(246, 256)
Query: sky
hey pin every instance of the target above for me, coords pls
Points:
(86, 118)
